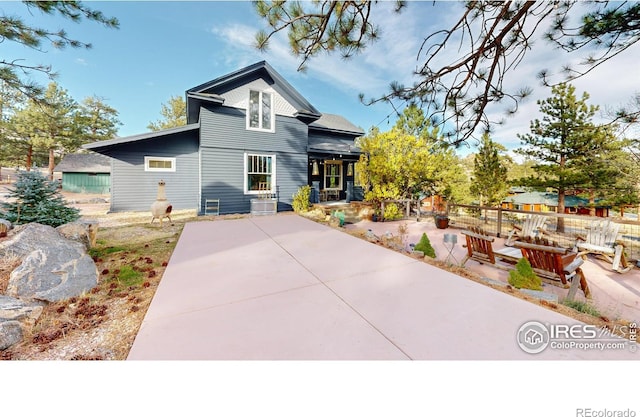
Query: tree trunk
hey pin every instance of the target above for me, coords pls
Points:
(592, 202)
(51, 163)
(560, 227)
(29, 157)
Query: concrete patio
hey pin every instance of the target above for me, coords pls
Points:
(286, 288)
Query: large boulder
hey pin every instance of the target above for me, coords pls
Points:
(53, 267)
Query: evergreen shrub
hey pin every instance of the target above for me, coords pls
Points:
(35, 199)
(425, 247)
(524, 277)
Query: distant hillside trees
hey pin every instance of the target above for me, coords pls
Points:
(39, 132)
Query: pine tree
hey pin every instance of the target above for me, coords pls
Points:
(34, 199)
(561, 141)
(489, 173)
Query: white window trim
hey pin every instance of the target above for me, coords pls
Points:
(272, 110)
(159, 158)
(336, 162)
(246, 174)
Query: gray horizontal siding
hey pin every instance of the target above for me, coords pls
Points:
(227, 129)
(224, 141)
(134, 189)
(223, 178)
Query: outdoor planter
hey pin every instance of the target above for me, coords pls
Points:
(442, 222)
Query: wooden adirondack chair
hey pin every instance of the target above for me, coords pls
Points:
(556, 266)
(601, 240)
(533, 226)
(480, 248)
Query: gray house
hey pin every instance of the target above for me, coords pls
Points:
(249, 134)
(85, 173)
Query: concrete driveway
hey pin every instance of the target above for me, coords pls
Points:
(284, 287)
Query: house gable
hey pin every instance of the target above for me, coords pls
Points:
(232, 90)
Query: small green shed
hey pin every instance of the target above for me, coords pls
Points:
(85, 173)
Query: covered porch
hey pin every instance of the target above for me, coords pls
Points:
(332, 176)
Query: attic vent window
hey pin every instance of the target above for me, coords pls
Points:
(260, 112)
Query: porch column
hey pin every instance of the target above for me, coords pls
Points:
(315, 192)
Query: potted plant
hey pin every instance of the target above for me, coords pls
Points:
(442, 221)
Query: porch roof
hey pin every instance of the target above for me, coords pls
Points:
(334, 149)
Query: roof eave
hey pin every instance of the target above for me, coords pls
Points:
(143, 136)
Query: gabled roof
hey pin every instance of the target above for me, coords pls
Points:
(336, 123)
(142, 136)
(219, 85)
(84, 162)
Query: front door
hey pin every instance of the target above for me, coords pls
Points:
(333, 175)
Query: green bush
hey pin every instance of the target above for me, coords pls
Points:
(36, 200)
(392, 212)
(425, 247)
(524, 277)
(301, 199)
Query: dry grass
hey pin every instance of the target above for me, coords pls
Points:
(103, 323)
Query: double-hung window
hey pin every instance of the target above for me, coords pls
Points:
(260, 173)
(260, 112)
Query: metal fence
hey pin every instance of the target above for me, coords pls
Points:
(499, 222)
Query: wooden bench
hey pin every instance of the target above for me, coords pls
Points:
(480, 248)
(557, 266)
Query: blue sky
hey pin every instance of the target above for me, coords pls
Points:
(165, 48)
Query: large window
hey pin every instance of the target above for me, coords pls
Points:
(159, 164)
(260, 112)
(333, 175)
(260, 173)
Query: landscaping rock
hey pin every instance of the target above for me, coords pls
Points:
(371, 237)
(494, 282)
(13, 309)
(540, 295)
(10, 334)
(83, 231)
(53, 268)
